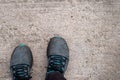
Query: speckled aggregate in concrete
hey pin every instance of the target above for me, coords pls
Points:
(90, 27)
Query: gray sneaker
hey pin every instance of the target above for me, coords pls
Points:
(58, 55)
(21, 62)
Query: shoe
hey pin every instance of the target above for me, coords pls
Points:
(21, 62)
(58, 55)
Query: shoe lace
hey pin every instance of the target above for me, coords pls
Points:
(56, 63)
(21, 72)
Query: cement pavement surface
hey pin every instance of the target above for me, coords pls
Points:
(90, 27)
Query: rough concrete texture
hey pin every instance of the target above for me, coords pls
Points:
(90, 27)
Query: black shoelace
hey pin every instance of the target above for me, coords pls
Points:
(20, 72)
(56, 63)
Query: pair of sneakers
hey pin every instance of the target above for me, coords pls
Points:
(22, 59)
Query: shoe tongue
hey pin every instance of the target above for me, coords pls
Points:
(22, 78)
(21, 72)
(56, 64)
(58, 67)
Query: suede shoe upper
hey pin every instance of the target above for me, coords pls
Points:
(58, 55)
(21, 63)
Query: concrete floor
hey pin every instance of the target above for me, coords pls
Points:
(90, 27)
